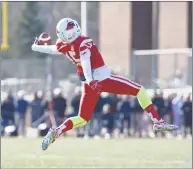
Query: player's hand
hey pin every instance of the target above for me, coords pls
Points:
(36, 41)
(96, 86)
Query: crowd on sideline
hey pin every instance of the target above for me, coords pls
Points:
(114, 115)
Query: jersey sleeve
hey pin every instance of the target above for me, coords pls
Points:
(85, 55)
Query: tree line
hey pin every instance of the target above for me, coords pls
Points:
(29, 19)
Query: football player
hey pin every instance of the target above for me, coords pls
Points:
(95, 75)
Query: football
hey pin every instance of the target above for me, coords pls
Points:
(45, 39)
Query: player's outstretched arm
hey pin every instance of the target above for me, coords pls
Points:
(49, 49)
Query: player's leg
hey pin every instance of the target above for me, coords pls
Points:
(120, 85)
(88, 101)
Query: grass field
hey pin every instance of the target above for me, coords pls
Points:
(77, 153)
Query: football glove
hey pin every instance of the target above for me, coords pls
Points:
(36, 41)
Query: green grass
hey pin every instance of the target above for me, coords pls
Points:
(77, 153)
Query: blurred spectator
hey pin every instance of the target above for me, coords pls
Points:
(107, 121)
(187, 111)
(11, 98)
(169, 108)
(59, 103)
(159, 102)
(114, 101)
(167, 111)
(44, 101)
(7, 113)
(45, 105)
(37, 107)
(75, 102)
(179, 80)
(22, 106)
(124, 109)
(111, 115)
(140, 124)
(161, 105)
(176, 108)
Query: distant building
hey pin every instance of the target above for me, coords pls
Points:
(127, 25)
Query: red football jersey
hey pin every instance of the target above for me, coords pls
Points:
(72, 51)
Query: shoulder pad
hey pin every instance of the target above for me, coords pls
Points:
(86, 44)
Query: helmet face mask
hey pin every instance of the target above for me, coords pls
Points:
(68, 30)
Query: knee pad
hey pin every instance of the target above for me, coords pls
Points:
(78, 121)
(143, 98)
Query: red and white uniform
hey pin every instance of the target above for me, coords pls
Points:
(97, 77)
(84, 54)
(90, 66)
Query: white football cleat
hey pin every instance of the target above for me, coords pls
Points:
(163, 126)
(49, 138)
